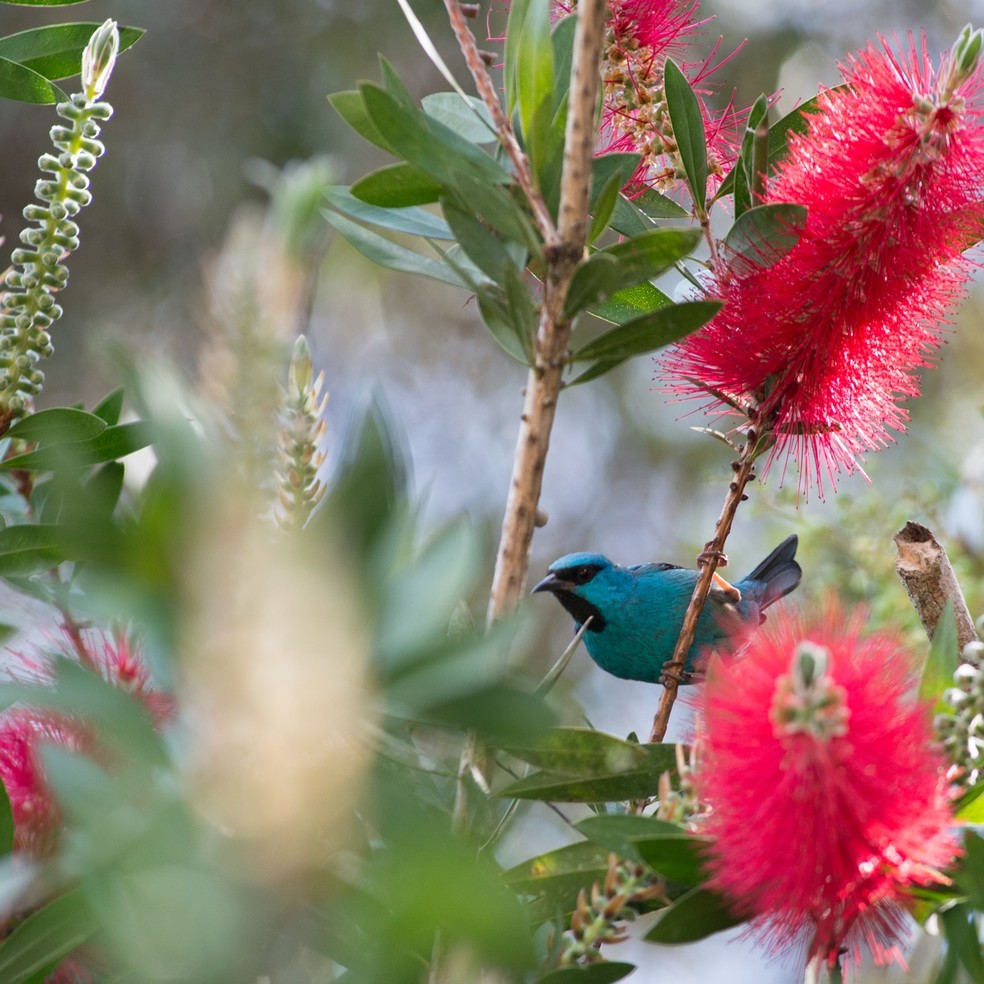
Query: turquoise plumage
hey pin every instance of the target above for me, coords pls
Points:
(638, 611)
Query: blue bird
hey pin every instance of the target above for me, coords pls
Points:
(637, 611)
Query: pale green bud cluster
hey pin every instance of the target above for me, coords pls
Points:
(962, 730)
(38, 271)
(302, 431)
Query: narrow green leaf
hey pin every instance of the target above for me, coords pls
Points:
(6, 823)
(970, 876)
(603, 207)
(606, 972)
(960, 926)
(21, 83)
(625, 264)
(581, 751)
(469, 119)
(496, 207)
(55, 51)
(494, 307)
(518, 10)
(110, 406)
(482, 245)
(629, 220)
(607, 165)
(753, 156)
(350, 105)
(29, 548)
(560, 873)
(658, 206)
(628, 304)
(694, 916)
(57, 425)
(763, 235)
(796, 121)
(649, 332)
(394, 86)
(942, 660)
(399, 185)
(599, 369)
(45, 938)
(44, 3)
(429, 145)
(523, 312)
(391, 255)
(110, 445)
(562, 38)
(414, 221)
(631, 781)
(619, 832)
(688, 130)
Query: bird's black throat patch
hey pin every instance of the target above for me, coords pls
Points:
(581, 610)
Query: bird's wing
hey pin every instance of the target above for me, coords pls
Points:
(654, 568)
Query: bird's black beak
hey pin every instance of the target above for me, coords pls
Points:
(552, 583)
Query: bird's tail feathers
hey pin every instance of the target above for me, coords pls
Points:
(779, 571)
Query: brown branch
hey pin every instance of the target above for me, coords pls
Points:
(709, 560)
(503, 127)
(925, 570)
(553, 332)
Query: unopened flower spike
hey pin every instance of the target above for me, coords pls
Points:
(27, 304)
(299, 454)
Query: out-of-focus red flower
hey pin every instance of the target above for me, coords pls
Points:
(826, 343)
(24, 730)
(826, 792)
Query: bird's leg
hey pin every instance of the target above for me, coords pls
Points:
(723, 590)
(673, 671)
(707, 555)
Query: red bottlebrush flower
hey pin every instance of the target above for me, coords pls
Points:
(640, 36)
(825, 343)
(826, 793)
(23, 730)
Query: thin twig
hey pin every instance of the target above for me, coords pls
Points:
(503, 127)
(709, 560)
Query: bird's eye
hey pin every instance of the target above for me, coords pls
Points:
(584, 574)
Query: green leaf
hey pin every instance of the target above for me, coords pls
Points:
(391, 255)
(485, 249)
(628, 304)
(960, 926)
(429, 145)
(796, 121)
(44, 3)
(649, 332)
(688, 130)
(495, 206)
(606, 972)
(350, 105)
(560, 874)
(625, 779)
(603, 207)
(627, 219)
(625, 264)
(580, 751)
(514, 335)
(57, 426)
(608, 166)
(113, 443)
(21, 83)
(694, 916)
(397, 186)
(970, 876)
(763, 235)
(6, 823)
(110, 406)
(658, 206)
(55, 51)
(471, 120)
(45, 938)
(29, 548)
(749, 172)
(414, 221)
(942, 660)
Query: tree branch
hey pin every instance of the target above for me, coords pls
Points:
(925, 570)
(709, 561)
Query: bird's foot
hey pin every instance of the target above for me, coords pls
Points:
(673, 670)
(706, 556)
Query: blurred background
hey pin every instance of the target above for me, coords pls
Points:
(215, 88)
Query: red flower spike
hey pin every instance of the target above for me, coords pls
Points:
(826, 793)
(825, 344)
